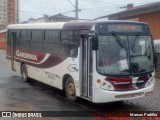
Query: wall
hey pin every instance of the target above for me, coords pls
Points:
(3, 40)
(153, 19)
(158, 65)
(157, 52)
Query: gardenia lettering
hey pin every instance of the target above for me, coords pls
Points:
(26, 55)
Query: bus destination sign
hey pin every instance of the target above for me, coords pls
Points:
(129, 28)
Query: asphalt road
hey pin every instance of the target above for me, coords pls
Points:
(16, 95)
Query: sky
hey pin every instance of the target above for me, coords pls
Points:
(90, 9)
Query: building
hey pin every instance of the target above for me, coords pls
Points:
(61, 18)
(8, 15)
(12, 11)
(3, 39)
(54, 18)
(149, 13)
(8, 12)
(3, 12)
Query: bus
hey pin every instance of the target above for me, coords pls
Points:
(98, 61)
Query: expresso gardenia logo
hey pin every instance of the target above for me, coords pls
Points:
(26, 55)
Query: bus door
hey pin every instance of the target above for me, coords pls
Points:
(13, 43)
(86, 63)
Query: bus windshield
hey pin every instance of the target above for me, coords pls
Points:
(125, 54)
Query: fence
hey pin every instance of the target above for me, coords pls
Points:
(157, 52)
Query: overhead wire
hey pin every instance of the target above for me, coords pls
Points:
(114, 5)
(68, 11)
(71, 3)
(102, 5)
(32, 12)
(109, 3)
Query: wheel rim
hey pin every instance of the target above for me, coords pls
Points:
(71, 89)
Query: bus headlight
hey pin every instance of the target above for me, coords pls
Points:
(149, 82)
(106, 86)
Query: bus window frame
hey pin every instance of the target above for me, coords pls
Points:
(39, 50)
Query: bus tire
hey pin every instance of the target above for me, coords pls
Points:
(70, 89)
(24, 73)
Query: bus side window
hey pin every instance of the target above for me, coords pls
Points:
(9, 42)
(67, 36)
(37, 40)
(52, 38)
(17, 38)
(22, 40)
(52, 35)
(68, 45)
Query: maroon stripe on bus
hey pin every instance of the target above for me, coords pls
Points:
(35, 58)
(48, 63)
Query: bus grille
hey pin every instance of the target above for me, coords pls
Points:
(127, 83)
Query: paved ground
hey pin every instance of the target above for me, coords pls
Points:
(15, 95)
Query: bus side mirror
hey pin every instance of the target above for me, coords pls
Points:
(94, 43)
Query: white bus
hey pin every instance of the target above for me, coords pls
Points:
(98, 61)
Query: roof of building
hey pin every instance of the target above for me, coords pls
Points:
(137, 10)
(47, 18)
(3, 31)
(61, 16)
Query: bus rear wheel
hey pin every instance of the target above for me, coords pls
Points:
(70, 89)
(24, 73)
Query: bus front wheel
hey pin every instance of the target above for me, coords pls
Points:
(70, 89)
(24, 73)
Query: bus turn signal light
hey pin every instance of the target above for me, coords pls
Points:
(98, 81)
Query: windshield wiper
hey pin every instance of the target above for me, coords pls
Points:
(137, 37)
(118, 40)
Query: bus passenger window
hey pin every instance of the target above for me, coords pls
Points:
(37, 35)
(22, 40)
(51, 47)
(67, 36)
(52, 35)
(24, 34)
(37, 40)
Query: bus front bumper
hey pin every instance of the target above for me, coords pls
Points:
(103, 96)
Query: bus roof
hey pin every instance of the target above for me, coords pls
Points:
(65, 25)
